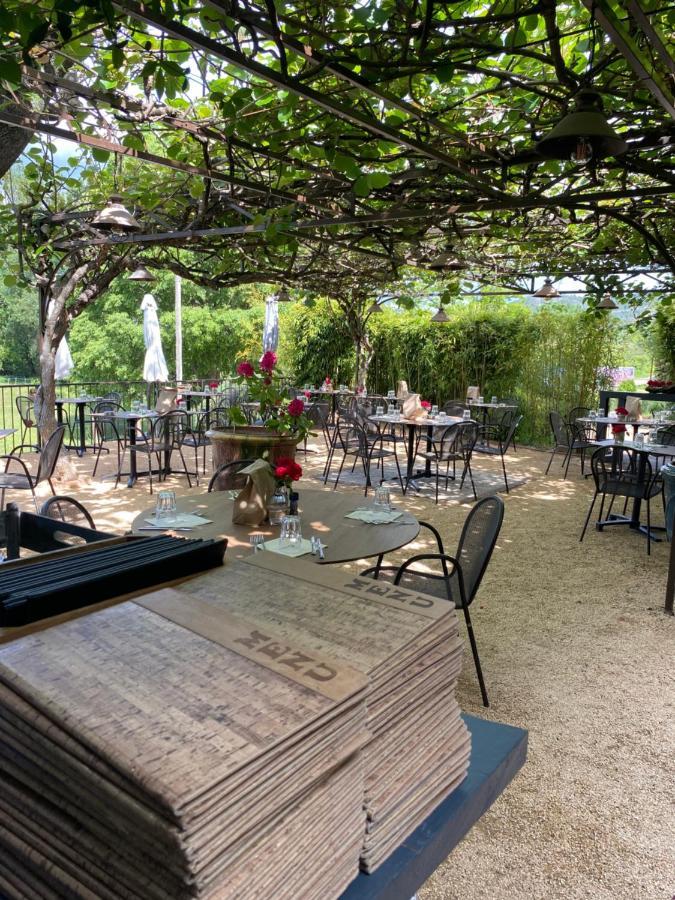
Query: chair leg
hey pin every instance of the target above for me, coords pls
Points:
(588, 517)
(340, 471)
(437, 477)
(568, 458)
(649, 529)
(550, 460)
(400, 479)
(32, 490)
(506, 483)
(473, 486)
(474, 650)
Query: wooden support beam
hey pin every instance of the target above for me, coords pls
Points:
(626, 44)
(142, 13)
(32, 122)
(386, 217)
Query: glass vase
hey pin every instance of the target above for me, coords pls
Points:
(278, 505)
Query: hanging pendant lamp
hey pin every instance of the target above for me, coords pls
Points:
(440, 316)
(283, 296)
(142, 274)
(606, 302)
(115, 217)
(583, 134)
(374, 308)
(447, 262)
(547, 291)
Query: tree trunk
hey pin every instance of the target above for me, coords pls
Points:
(364, 356)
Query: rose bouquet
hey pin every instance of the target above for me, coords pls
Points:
(286, 471)
(620, 428)
(265, 386)
(655, 385)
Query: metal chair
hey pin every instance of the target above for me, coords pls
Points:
(67, 509)
(455, 408)
(355, 441)
(23, 480)
(228, 477)
(502, 436)
(561, 437)
(195, 438)
(622, 472)
(26, 409)
(159, 439)
(455, 578)
(455, 445)
(107, 431)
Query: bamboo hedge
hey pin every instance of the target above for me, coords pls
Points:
(546, 359)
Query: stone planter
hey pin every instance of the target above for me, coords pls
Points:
(250, 442)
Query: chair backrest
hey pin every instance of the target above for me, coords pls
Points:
(666, 435)
(559, 429)
(26, 410)
(510, 429)
(218, 417)
(228, 477)
(168, 430)
(67, 509)
(49, 454)
(577, 412)
(620, 470)
(114, 396)
(459, 438)
(477, 541)
(454, 408)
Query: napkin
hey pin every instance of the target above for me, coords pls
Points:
(290, 550)
(374, 516)
(180, 520)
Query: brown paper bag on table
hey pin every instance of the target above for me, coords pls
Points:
(250, 505)
(472, 392)
(412, 407)
(402, 390)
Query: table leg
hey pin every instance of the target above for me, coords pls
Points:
(83, 443)
(131, 435)
(427, 464)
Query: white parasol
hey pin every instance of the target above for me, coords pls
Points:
(271, 326)
(154, 367)
(63, 361)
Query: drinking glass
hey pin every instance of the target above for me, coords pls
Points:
(382, 497)
(391, 395)
(494, 401)
(379, 410)
(639, 440)
(291, 531)
(481, 399)
(165, 509)
(434, 410)
(466, 414)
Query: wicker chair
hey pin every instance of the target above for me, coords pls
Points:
(23, 480)
(228, 477)
(620, 472)
(454, 578)
(455, 445)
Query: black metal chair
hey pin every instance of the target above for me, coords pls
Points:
(622, 472)
(195, 438)
(455, 578)
(356, 442)
(228, 477)
(561, 438)
(665, 434)
(109, 430)
(157, 439)
(26, 409)
(23, 480)
(455, 445)
(501, 436)
(454, 408)
(67, 509)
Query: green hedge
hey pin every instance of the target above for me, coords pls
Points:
(544, 360)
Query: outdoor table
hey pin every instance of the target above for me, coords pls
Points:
(604, 421)
(5, 432)
(207, 395)
(131, 420)
(484, 407)
(80, 403)
(498, 752)
(334, 396)
(323, 514)
(645, 451)
(412, 426)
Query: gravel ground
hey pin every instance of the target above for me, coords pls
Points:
(576, 648)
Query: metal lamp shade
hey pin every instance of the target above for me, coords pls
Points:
(283, 296)
(447, 262)
(587, 126)
(606, 302)
(115, 217)
(142, 274)
(374, 308)
(440, 316)
(547, 291)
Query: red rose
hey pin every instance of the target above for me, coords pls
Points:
(287, 469)
(281, 471)
(425, 404)
(213, 384)
(245, 369)
(622, 411)
(618, 429)
(267, 380)
(296, 408)
(268, 361)
(307, 394)
(327, 380)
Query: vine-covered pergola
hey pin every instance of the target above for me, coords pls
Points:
(331, 145)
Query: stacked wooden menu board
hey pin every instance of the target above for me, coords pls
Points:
(258, 731)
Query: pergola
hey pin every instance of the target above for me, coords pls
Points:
(386, 133)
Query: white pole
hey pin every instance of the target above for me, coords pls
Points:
(179, 329)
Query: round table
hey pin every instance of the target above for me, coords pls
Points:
(323, 514)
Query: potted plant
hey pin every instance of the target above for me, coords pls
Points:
(285, 423)
(619, 430)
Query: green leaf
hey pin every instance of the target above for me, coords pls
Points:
(444, 72)
(362, 186)
(100, 155)
(9, 280)
(10, 70)
(379, 179)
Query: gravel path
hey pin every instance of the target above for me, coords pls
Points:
(576, 648)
